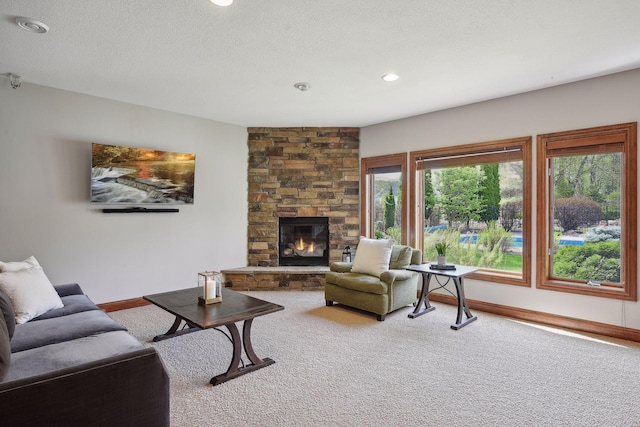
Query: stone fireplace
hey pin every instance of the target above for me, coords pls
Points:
(303, 241)
(294, 173)
(302, 172)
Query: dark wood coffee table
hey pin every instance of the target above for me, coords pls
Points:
(235, 307)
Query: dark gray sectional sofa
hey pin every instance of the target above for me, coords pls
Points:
(76, 366)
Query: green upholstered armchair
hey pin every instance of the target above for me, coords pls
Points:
(394, 289)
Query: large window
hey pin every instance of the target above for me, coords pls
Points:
(587, 190)
(383, 212)
(477, 199)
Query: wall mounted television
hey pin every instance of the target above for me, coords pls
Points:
(132, 176)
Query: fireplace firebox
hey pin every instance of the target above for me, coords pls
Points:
(303, 241)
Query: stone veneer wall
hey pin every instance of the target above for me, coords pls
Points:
(302, 172)
(276, 278)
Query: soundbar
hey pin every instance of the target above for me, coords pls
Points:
(140, 210)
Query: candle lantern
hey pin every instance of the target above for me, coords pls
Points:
(346, 254)
(210, 284)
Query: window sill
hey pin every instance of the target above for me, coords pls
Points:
(603, 291)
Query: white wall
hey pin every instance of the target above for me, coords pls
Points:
(600, 101)
(45, 152)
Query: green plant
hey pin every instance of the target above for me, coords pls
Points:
(389, 209)
(490, 193)
(577, 211)
(598, 262)
(394, 233)
(459, 196)
(441, 247)
(603, 234)
(494, 236)
(510, 214)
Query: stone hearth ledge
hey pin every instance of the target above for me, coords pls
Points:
(302, 278)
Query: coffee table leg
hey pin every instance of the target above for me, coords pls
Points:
(237, 349)
(248, 347)
(234, 369)
(173, 330)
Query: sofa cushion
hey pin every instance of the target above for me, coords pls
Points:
(400, 257)
(71, 353)
(7, 311)
(60, 329)
(72, 304)
(358, 282)
(30, 292)
(5, 348)
(372, 256)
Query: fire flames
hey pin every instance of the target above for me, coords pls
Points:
(303, 247)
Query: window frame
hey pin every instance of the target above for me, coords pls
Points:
(444, 157)
(368, 166)
(598, 140)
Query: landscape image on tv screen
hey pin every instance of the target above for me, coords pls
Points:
(131, 175)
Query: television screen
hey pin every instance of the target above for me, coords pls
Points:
(131, 175)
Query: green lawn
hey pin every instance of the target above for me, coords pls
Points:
(510, 262)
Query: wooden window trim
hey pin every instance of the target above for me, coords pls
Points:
(615, 138)
(441, 156)
(369, 165)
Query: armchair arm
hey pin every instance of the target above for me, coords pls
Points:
(391, 276)
(341, 267)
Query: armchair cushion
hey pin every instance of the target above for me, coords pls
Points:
(400, 257)
(372, 256)
(416, 257)
(358, 282)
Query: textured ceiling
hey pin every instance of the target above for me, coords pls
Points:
(238, 64)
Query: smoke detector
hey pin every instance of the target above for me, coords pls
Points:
(15, 80)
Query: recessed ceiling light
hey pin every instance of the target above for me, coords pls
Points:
(221, 2)
(302, 86)
(31, 25)
(391, 77)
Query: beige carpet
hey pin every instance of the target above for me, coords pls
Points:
(339, 367)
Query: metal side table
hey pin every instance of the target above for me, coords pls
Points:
(457, 276)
